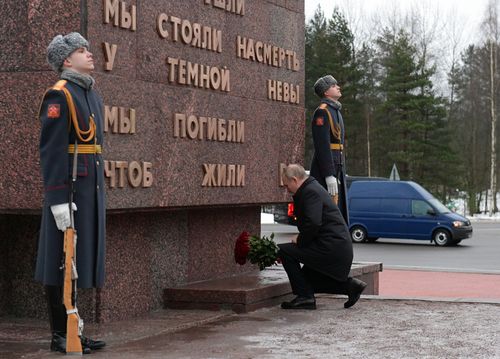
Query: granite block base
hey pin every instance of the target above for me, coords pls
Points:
(241, 293)
(368, 272)
(145, 253)
(251, 291)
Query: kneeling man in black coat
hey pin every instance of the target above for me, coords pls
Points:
(323, 245)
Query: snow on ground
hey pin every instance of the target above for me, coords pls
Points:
(266, 218)
(483, 217)
(458, 205)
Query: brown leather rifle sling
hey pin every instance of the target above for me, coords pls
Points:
(74, 326)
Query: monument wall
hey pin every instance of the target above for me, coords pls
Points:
(203, 105)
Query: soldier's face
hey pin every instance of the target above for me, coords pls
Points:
(80, 60)
(333, 92)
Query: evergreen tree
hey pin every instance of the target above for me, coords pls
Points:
(367, 95)
(330, 50)
(316, 33)
(411, 124)
(470, 122)
(393, 115)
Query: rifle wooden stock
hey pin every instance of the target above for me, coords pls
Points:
(335, 199)
(73, 342)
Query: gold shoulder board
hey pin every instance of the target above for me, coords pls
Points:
(59, 85)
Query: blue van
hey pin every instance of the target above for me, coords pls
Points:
(402, 209)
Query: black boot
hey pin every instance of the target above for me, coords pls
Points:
(58, 320)
(58, 344)
(354, 289)
(92, 344)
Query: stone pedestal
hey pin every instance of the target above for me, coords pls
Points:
(208, 182)
(251, 291)
(146, 252)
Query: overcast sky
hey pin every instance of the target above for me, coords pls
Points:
(469, 13)
(473, 9)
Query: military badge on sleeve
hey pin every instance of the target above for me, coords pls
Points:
(319, 121)
(53, 111)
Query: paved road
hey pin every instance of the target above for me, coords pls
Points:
(478, 254)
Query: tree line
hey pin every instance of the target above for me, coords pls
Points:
(395, 115)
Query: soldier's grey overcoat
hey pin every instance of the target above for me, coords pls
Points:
(326, 161)
(89, 194)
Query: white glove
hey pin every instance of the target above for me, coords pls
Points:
(61, 215)
(331, 184)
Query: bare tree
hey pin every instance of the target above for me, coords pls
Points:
(491, 29)
(427, 25)
(456, 38)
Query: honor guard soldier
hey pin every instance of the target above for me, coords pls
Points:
(71, 117)
(328, 163)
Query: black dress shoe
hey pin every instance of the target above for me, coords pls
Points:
(356, 287)
(300, 303)
(92, 344)
(58, 344)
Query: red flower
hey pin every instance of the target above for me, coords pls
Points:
(262, 251)
(242, 248)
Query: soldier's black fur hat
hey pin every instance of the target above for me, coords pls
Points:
(323, 84)
(62, 46)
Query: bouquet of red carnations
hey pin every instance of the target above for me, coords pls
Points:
(258, 250)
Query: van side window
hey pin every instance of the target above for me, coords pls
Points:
(364, 204)
(394, 205)
(419, 208)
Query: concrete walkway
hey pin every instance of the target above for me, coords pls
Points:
(372, 329)
(456, 315)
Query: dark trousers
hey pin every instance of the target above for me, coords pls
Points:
(57, 310)
(306, 281)
(342, 194)
(342, 187)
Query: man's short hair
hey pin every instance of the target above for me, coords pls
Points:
(294, 170)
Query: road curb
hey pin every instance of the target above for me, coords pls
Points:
(419, 299)
(441, 269)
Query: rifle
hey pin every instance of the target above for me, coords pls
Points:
(74, 325)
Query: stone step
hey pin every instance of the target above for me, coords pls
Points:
(251, 291)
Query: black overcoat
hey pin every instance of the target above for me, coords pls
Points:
(326, 161)
(89, 196)
(323, 243)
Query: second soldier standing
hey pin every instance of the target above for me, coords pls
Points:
(328, 164)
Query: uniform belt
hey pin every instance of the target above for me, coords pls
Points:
(336, 146)
(85, 149)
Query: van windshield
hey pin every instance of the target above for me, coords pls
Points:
(441, 208)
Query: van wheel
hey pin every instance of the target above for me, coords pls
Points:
(442, 238)
(358, 234)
